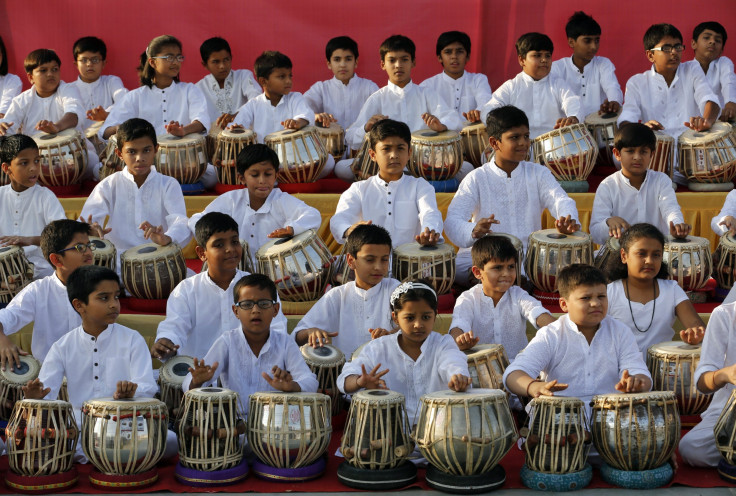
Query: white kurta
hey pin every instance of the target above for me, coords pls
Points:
(721, 78)
(27, 109)
(10, 87)
(468, 92)
(343, 101)
(595, 84)
(729, 208)
(258, 114)
(105, 92)
(240, 86)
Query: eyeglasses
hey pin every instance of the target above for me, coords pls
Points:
(170, 58)
(93, 61)
(679, 48)
(80, 247)
(249, 304)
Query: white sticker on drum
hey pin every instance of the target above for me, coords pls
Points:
(162, 159)
(202, 160)
(700, 162)
(295, 415)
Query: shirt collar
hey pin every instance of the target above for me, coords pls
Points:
(339, 83)
(266, 207)
(367, 294)
(627, 181)
(228, 82)
(659, 77)
(389, 184)
(400, 91)
(500, 172)
(246, 347)
(24, 193)
(158, 90)
(126, 174)
(92, 85)
(452, 81)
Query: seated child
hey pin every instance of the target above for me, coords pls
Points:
(416, 360)
(199, 309)
(243, 357)
(509, 187)
(356, 312)
(10, 84)
(26, 205)
(591, 77)
(261, 211)
(548, 101)
(404, 205)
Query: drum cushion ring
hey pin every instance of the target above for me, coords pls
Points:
(41, 484)
(446, 186)
(192, 189)
(377, 480)
(727, 471)
(123, 483)
(638, 479)
(556, 482)
(309, 472)
(200, 478)
(465, 484)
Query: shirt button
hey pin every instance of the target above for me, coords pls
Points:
(96, 377)
(389, 203)
(95, 365)
(95, 350)
(389, 213)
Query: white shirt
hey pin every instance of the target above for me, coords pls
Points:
(670, 295)
(721, 78)
(405, 104)
(404, 208)
(654, 202)
(44, 302)
(729, 208)
(27, 109)
(343, 101)
(596, 83)
(26, 213)
(439, 361)
(198, 311)
(105, 92)
(468, 92)
(280, 210)
(351, 312)
(258, 114)
(240, 370)
(239, 87)
(503, 324)
(10, 87)
(542, 101)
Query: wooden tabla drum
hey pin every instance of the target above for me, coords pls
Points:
(486, 364)
(689, 261)
(302, 155)
(550, 251)
(725, 431)
(725, 261)
(105, 254)
(228, 144)
(333, 138)
(363, 165)
(12, 380)
(63, 157)
(435, 156)
(151, 271)
(436, 263)
(170, 378)
(91, 134)
(16, 272)
(603, 128)
(664, 154)
(569, 153)
(210, 141)
(609, 251)
(672, 365)
(300, 266)
(182, 157)
(326, 363)
(708, 158)
(246, 261)
(64, 391)
(474, 141)
(110, 161)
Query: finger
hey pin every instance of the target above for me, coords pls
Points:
(375, 369)
(381, 374)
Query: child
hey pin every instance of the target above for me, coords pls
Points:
(635, 194)
(709, 39)
(142, 204)
(416, 360)
(10, 84)
(261, 211)
(199, 309)
(547, 100)
(358, 311)
(725, 221)
(591, 77)
(27, 206)
(641, 296)
(495, 311)
(226, 90)
(244, 357)
(508, 186)
(466, 92)
(406, 206)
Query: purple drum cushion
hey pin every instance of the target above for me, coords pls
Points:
(200, 478)
(290, 474)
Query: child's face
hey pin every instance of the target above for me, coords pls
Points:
(644, 258)
(259, 179)
(279, 82)
(45, 78)
(219, 64)
(416, 320)
(90, 65)
(496, 276)
(24, 169)
(71, 260)
(162, 66)
(665, 62)
(634, 160)
(138, 155)
(102, 307)
(398, 66)
(585, 47)
(343, 63)
(536, 64)
(391, 155)
(708, 46)
(370, 264)
(222, 252)
(586, 306)
(513, 145)
(257, 321)
(453, 59)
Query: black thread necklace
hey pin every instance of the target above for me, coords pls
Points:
(654, 305)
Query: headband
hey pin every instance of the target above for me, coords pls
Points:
(406, 286)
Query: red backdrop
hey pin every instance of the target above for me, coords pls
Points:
(301, 29)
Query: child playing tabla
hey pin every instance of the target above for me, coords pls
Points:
(10, 84)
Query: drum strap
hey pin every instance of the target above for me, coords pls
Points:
(654, 305)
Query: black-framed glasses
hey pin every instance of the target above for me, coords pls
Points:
(93, 60)
(80, 247)
(249, 304)
(679, 48)
(170, 58)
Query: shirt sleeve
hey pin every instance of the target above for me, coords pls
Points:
(629, 354)
(446, 114)
(464, 205)
(482, 90)
(728, 80)
(570, 103)
(280, 323)
(536, 357)
(450, 360)
(123, 110)
(13, 87)
(176, 214)
(631, 110)
(366, 357)
(53, 371)
(141, 367)
(323, 315)
(356, 132)
(429, 215)
(502, 96)
(117, 91)
(52, 208)
(530, 308)
(198, 110)
(554, 197)
(602, 211)
(609, 82)
(20, 311)
(667, 200)
(716, 341)
(218, 352)
(300, 371)
(246, 115)
(462, 314)
(679, 294)
(251, 88)
(349, 210)
(221, 203)
(302, 110)
(71, 101)
(16, 114)
(314, 97)
(298, 214)
(729, 208)
(97, 204)
(179, 320)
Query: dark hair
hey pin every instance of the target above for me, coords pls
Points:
(502, 119)
(581, 24)
(397, 43)
(267, 62)
(211, 223)
(212, 45)
(40, 57)
(490, 248)
(367, 234)
(450, 37)
(259, 281)
(11, 146)
(573, 276)
(90, 44)
(341, 43)
(634, 134)
(533, 42)
(84, 280)
(133, 129)
(4, 62)
(616, 269)
(656, 32)
(387, 128)
(255, 153)
(417, 294)
(712, 25)
(59, 233)
(146, 73)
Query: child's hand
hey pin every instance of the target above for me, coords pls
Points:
(224, 120)
(125, 389)
(155, 233)
(281, 380)
(95, 227)
(472, 115)
(378, 332)
(4, 126)
(729, 112)
(616, 226)
(324, 119)
(607, 106)
(9, 353)
(175, 129)
(466, 340)
(565, 121)
(433, 123)
(679, 230)
(359, 223)
(163, 349)
(47, 127)
(630, 383)
(236, 126)
(699, 123)
(540, 388)
(372, 121)
(33, 390)
(282, 232)
(483, 226)
(202, 373)
(372, 379)
(729, 223)
(654, 125)
(97, 114)
(427, 237)
(567, 225)
(318, 337)
(294, 123)
(15, 240)
(459, 383)
(693, 335)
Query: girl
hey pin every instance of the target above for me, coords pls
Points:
(640, 295)
(10, 84)
(417, 360)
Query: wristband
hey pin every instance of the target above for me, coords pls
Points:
(529, 385)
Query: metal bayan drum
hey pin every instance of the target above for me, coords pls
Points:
(664, 154)
(326, 363)
(228, 144)
(486, 364)
(333, 138)
(151, 271)
(363, 165)
(474, 142)
(170, 379)
(725, 261)
(569, 153)
(609, 251)
(436, 263)
(12, 380)
(105, 254)
(110, 161)
(603, 128)
(435, 156)
(63, 157)
(182, 157)
(689, 260)
(301, 154)
(725, 430)
(708, 158)
(672, 365)
(16, 272)
(550, 251)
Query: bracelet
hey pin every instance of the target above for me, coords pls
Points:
(529, 385)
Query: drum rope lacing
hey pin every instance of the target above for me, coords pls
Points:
(654, 305)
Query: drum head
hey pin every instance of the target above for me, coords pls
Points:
(415, 250)
(284, 134)
(123, 403)
(570, 401)
(324, 355)
(429, 136)
(614, 244)
(28, 370)
(102, 246)
(279, 245)
(176, 369)
(663, 137)
(207, 393)
(9, 251)
(379, 395)
(46, 140)
(42, 403)
(691, 241)
(170, 140)
(552, 235)
(473, 128)
(238, 133)
(151, 251)
(280, 397)
(470, 394)
(333, 128)
(483, 349)
(717, 130)
(596, 119)
(621, 398)
(674, 348)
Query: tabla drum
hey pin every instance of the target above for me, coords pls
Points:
(182, 157)
(725, 431)
(326, 363)
(569, 153)
(246, 261)
(664, 154)
(301, 266)
(725, 261)
(12, 380)
(672, 365)
(435, 156)
(91, 134)
(609, 251)
(357, 351)
(210, 141)
(486, 364)
(170, 378)
(603, 128)
(302, 155)
(333, 138)
(689, 260)
(436, 263)
(708, 158)
(363, 165)
(228, 144)
(550, 251)
(105, 254)
(474, 141)
(16, 272)
(110, 161)
(151, 271)
(63, 157)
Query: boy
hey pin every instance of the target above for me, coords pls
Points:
(244, 357)
(548, 101)
(591, 77)
(199, 309)
(495, 311)
(226, 90)
(27, 206)
(356, 312)
(141, 203)
(466, 92)
(508, 186)
(405, 206)
(635, 194)
(261, 211)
